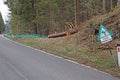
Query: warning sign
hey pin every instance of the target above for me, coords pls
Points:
(104, 35)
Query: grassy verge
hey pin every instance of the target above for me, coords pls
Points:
(82, 51)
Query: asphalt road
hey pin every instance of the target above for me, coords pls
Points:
(18, 62)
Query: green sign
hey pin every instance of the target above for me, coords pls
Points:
(104, 34)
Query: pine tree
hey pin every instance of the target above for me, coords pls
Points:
(48, 16)
(2, 26)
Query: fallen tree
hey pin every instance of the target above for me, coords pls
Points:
(69, 32)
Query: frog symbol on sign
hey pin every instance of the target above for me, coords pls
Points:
(104, 33)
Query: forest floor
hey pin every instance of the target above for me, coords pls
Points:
(83, 49)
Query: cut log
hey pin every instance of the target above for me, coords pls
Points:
(71, 31)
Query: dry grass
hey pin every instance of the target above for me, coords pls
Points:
(82, 51)
(80, 48)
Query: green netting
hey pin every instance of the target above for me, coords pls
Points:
(25, 35)
(8, 35)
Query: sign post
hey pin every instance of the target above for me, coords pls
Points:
(112, 55)
(105, 36)
(118, 51)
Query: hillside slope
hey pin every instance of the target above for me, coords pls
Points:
(110, 20)
(85, 49)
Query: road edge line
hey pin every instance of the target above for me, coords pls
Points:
(89, 67)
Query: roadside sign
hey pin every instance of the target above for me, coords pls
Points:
(118, 51)
(104, 35)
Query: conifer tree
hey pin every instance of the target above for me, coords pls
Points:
(2, 26)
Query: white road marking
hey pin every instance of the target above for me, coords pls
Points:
(16, 71)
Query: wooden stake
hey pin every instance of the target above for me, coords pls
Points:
(112, 55)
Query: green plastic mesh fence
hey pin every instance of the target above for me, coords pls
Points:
(25, 35)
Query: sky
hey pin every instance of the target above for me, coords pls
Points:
(4, 10)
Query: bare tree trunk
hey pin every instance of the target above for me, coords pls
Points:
(51, 17)
(63, 15)
(104, 5)
(75, 9)
(34, 6)
(64, 11)
(107, 5)
(118, 3)
(110, 4)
